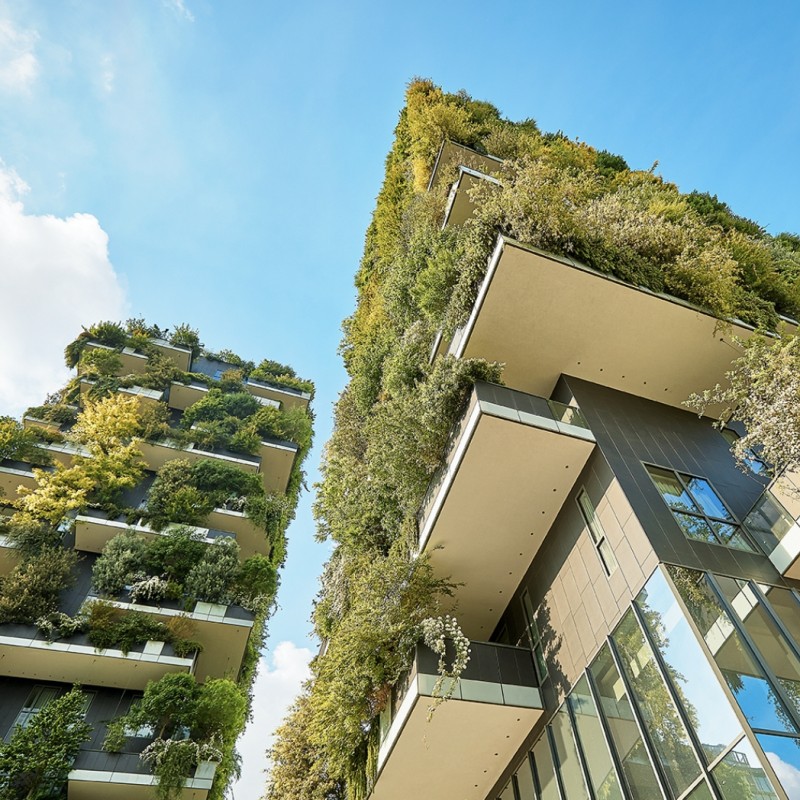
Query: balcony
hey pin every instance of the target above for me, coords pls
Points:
(128, 779)
(41, 424)
(65, 452)
(144, 395)
(156, 454)
(9, 556)
(277, 461)
(179, 355)
(251, 538)
(512, 461)
(452, 155)
(14, 474)
(131, 361)
(596, 327)
(93, 530)
(285, 396)
(222, 630)
(460, 206)
(25, 653)
(773, 522)
(463, 749)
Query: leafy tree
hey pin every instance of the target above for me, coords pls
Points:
(121, 559)
(35, 762)
(31, 590)
(18, 443)
(211, 579)
(107, 424)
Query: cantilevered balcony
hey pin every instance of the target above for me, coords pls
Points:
(461, 751)
(131, 361)
(543, 316)
(512, 461)
(25, 653)
(145, 396)
(127, 778)
(286, 396)
(460, 205)
(156, 454)
(42, 424)
(773, 521)
(14, 474)
(451, 156)
(65, 452)
(179, 355)
(250, 537)
(222, 630)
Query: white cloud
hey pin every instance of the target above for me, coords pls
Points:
(788, 774)
(55, 275)
(19, 66)
(107, 73)
(180, 9)
(275, 689)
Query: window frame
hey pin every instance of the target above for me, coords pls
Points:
(698, 512)
(597, 533)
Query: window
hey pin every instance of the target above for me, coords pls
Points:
(534, 639)
(755, 464)
(698, 509)
(38, 698)
(597, 533)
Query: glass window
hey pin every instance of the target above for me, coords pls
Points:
(601, 770)
(597, 533)
(783, 753)
(534, 639)
(545, 771)
(624, 732)
(38, 698)
(704, 701)
(569, 765)
(698, 509)
(740, 775)
(756, 697)
(754, 463)
(524, 778)
(766, 636)
(702, 792)
(661, 718)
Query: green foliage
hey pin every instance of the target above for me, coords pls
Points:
(256, 582)
(174, 553)
(31, 537)
(35, 762)
(221, 708)
(99, 362)
(122, 558)
(212, 578)
(18, 443)
(112, 628)
(274, 372)
(31, 590)
(186, 336)
(58, 413)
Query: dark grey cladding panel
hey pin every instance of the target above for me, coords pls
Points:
(519, 401)
(630, 432)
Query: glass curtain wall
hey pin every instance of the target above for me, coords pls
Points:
(649, 719)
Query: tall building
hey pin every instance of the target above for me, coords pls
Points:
(630, 593)
(143, 530)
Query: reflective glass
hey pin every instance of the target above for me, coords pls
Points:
(545, 772)
(783, 753)
(701, 792)
(708, 500)
(696, 527)
(671, 489)
(740, 776)
(569, 765)
(525, 782)
(667, 734)
(758, 701)
(785, 605)
(771, 643)
(590, 733)
(731, 535)
(704, 700)
(624, 732)
(769, 522)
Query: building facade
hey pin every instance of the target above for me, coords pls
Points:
(175, 473)
(629, 590)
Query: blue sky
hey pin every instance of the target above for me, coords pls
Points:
(228, 155)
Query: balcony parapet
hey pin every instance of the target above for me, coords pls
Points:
(494, 706)
(512, 460)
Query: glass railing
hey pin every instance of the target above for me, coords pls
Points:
(768, 521)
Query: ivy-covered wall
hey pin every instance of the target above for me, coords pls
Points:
(161, 559)
(393, 418)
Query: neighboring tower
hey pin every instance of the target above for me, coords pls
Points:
(142, 536)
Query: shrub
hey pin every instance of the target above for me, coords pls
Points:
(32, 588)
(174, 553)
(18, 443)
(30, 536)
(256, 583)
(212, 579)
(38, 758)
(122, 558)
(186, 336)
(124, 629)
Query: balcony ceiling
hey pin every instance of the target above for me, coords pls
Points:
(458, 755)
(544, 316)
(505, 493)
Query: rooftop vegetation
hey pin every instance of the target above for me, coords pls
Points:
(105, 428)
(393, 419)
